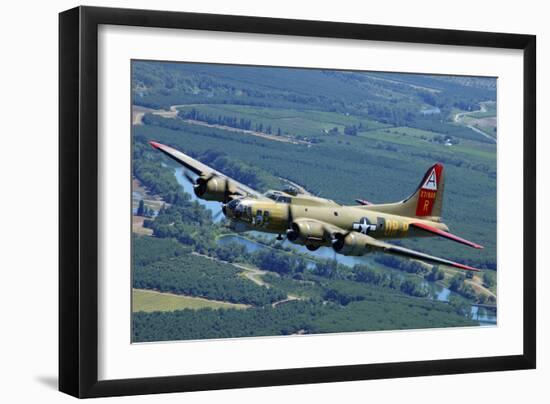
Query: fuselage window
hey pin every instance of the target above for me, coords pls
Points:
(271, 196)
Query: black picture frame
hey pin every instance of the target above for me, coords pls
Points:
(78, 192)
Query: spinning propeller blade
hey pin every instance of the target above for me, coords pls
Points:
(217, 215)
(187, 175)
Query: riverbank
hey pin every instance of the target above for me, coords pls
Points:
(152, 202)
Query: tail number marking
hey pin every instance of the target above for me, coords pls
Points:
(392, 227)
(426, 201)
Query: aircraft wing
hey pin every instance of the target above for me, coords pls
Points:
(388, 248)
(203, 170)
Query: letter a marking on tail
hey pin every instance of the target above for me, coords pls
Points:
(431, 182)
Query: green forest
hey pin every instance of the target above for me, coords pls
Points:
(330, 299)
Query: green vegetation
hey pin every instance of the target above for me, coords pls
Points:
(162, 264)
(305, 317)
(300, 124)
(489, 279)
(203, 277)
(146, 250)
(363, 135)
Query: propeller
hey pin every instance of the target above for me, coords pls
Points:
(187, 175)
(291, 234)
(337, 240)
(289, 215)
(226, 190)
(199, 183)
(217, 215)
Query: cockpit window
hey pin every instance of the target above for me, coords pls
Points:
(238, 208)
(283, 199)
(233, 204)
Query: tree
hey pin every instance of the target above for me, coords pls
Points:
(489, 279)
(141, 208)
(350, 130)
(436, 274)
(457, 282)
(333, 131)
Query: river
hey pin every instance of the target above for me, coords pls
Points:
(439, 292)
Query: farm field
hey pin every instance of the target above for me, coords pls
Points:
(301, 123)
(149, 300)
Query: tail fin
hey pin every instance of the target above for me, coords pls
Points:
(425, 202)
(428, 198)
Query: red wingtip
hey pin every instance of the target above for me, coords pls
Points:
(466, 267)
(155, 144)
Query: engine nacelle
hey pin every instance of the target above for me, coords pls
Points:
(306, 232)
(353, 243)
(213, 188)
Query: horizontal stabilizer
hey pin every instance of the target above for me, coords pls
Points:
(441, 233)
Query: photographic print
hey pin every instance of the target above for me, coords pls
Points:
(279, 201)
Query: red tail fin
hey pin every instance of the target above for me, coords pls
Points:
(430, 192)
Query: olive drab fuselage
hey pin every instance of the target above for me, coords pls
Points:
(276, 216)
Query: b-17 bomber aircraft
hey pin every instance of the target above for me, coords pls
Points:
(316, 222)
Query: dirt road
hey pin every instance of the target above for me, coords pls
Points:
(459, 118)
